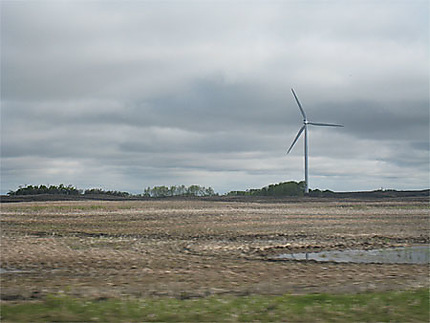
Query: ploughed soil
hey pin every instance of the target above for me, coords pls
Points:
(195, 248)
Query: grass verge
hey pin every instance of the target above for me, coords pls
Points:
(403, 306)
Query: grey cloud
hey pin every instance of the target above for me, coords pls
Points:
(407, 120)
(191, 92)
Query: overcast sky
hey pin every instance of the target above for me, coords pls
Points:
(122, 95)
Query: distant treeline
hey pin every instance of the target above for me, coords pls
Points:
(157, 191)
(99, 191)
(298, 189)
(62, 190)
(281, 189)
(278, 190)
(43, 189)
(182, 190)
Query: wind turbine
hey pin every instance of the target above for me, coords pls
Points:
(305, 129)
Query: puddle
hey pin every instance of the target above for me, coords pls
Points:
(12, 271)
(404, 255)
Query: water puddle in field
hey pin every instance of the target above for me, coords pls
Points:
(403, 255)
(12, 271)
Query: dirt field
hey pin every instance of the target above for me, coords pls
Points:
(195, 248)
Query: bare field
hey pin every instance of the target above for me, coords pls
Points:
(196, 248)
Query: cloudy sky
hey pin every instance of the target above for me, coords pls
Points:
(123, 95)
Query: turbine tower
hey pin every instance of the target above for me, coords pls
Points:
(305, 129)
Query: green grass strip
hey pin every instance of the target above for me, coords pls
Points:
(403, 306)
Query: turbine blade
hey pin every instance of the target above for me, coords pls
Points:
(297, 137)
(300, 106)
(325, 124)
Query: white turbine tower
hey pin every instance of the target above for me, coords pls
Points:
(305, 129)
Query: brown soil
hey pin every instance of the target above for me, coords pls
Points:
(194, 248)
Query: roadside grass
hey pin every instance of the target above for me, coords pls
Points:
(397, 306)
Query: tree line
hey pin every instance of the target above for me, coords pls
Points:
(62, 190)
(43, 189)
(182, 190)
(156, 191)
(280, 189)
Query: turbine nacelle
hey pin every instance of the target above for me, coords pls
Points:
(306, 122)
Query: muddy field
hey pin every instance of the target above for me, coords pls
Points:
(194, 248)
